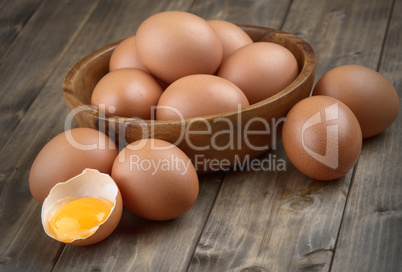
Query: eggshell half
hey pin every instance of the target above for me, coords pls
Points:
(90, 183)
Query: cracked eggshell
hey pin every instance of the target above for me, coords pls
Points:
(90, 183)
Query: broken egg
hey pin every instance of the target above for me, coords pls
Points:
(83, 210)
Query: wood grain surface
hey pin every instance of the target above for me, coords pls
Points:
(14, 16)
(244, 220)
(371, 233)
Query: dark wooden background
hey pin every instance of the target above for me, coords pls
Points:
(249, 221)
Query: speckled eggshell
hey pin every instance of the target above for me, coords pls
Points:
(322, 137)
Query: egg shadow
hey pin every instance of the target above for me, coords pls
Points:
(133, 225)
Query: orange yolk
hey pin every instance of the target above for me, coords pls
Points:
(79, 218)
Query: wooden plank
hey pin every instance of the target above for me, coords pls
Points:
(97, 32)
(143, 245)
(151, 253)
(20, 82)
(263, 220)
(14, 15)
(271, 221)
(262, 13)
(28, 248)
(23, 244)
(33, 56)
(371, 234)
(284, 221)
(342, 32)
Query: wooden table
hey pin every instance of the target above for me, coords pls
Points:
(242, 221)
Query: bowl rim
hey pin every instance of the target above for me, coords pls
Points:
(306, 71)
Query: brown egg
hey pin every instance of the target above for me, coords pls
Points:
(199, 95)
(174, 44)
(125, 56)
(232, 36)
(322, 137)
(370, 96)
(67, 155)
(260, 69)
(156, 179)
(127, 92)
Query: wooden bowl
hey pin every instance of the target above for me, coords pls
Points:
(215, 142)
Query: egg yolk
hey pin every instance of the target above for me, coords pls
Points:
(79, 218)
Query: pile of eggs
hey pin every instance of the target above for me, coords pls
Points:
(179, 61)
(184, 66)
